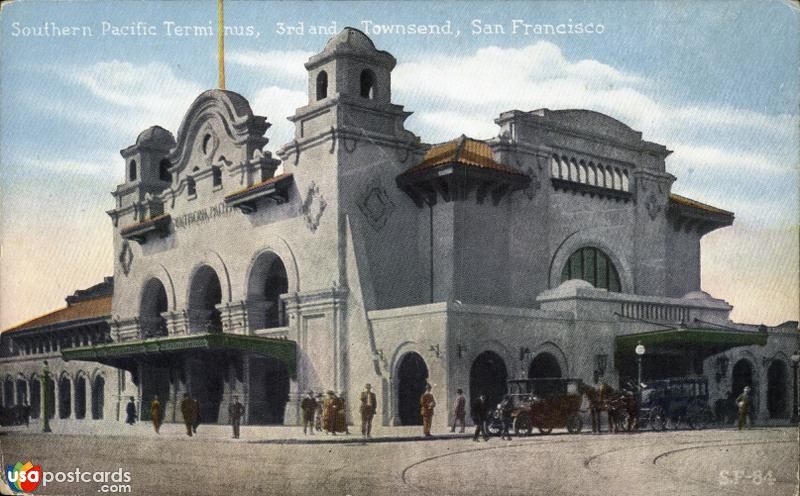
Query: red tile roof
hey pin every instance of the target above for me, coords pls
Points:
(464, 151)
(81, 310)
(682, 200)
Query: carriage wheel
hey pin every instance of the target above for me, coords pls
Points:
(574, 424)
(522, 425)
(700, 417)
(545, 430)
(657, 419)
(494, 426)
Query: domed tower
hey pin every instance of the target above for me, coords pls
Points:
(350, 65)
(146, 166)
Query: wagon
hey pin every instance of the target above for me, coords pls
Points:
(668, 402)
(545, 404)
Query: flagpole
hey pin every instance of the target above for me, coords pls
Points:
(221, 45)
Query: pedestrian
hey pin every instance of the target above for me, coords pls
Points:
(187, 409)
(341, 414)
(130, 412)
(319, 412)
(195, 414)
(309, 407)
(426, 405)
(155, 413)
(329, 413)
(368, 407)
(506, 412)
(632, 407)
(478, 413)
(459, 410)
(743, 404)
(236, 412)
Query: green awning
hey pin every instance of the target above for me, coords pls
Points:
(704, 342)
(116, 354)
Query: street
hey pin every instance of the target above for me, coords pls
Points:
(761, 461)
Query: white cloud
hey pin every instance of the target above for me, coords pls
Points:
(277, 104)
(288, 63)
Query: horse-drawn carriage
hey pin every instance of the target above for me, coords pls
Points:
(669, 402)
(545, 404)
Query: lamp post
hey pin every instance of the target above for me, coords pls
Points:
(640, 351)
(45, 397)
(795, 362)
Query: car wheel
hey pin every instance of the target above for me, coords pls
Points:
(522, 425)
(657, 419)
(574, 424)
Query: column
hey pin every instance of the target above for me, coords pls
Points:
(291, 415)
(234, 317)
(177, 322)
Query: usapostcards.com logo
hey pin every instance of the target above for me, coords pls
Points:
(25, 478)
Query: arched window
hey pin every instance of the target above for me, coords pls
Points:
(593, 266)
(367, 84)
(191, 188)
(132, 170)
(564, 174)
(625, 181)
(163, 170)
(554, 167)
(216, 175)
(582, 171)
(592, 173)
(610, 179)
(322, 85)
(617, 179)
(573, 170)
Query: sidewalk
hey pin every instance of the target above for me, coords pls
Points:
(276, 434)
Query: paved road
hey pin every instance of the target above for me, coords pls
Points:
(756, 462)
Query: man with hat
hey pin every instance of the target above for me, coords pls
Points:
(743, 404)
(309, 407)
(368, 407)
(426, 406)
(459, 411)
(236, 412)
(329, 413)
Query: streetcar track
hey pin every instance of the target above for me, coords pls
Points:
(587, 462)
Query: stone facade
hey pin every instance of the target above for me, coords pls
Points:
(376, 279)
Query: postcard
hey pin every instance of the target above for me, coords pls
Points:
(399, 248)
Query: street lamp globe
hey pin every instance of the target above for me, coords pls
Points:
(640, 350)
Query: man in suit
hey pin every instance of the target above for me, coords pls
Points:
(368, 406)
(195, 414)
(130, 412)
(459, 411)
(236, 412)
(426, 405)
(187, 409)
(478, 411)
(308, 405)
(743, 404)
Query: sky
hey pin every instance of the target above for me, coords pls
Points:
(716, 82)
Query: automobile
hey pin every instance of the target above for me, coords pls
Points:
(669, 402)
(545, 404)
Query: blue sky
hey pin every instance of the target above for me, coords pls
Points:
(714, 81)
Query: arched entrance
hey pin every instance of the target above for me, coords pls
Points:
(80, 397)
(22, 391)
(544, 366)
(412, 377)
(50, 391)
(488, 376)
(153, 304)
(742, 376)
(98, 397)
(269, 391)
(204, 296)
(8, 392)
(36, 398)
(777, 391)
(64, 397)
(267, 282)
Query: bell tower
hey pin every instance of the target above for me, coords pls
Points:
(146, 171)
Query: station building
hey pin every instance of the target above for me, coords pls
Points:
(360, 254)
